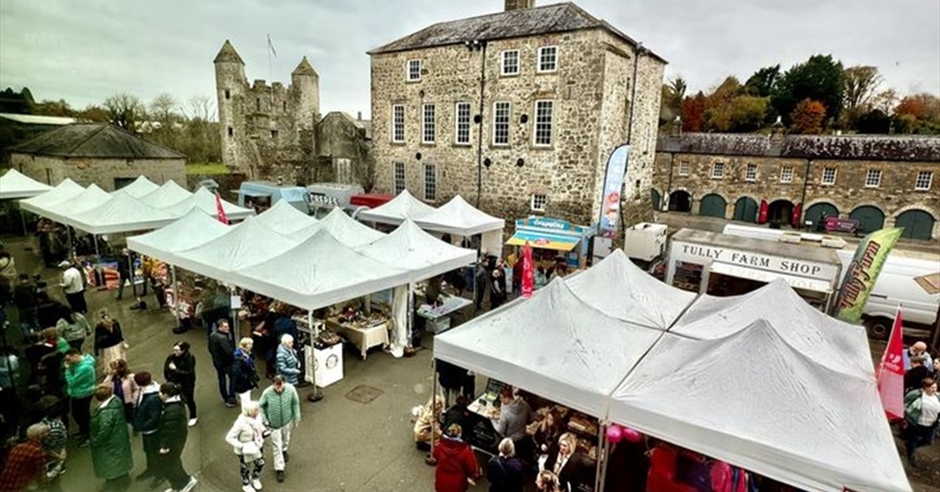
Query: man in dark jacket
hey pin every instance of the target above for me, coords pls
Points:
(180, 368)
(173, 433)
(147, 422)
(222, 350)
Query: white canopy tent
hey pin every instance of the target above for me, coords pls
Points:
(839, 346)
(14, 184)
(138, 188)
(193, 229)
(344, 228)
(423, 255)
(123, 213)
(167, 195)
(753, 400)
(205, 201)
(284, 219)
(553, 344)
(319, 272)
(243, 245)
(402, 207)
(64, 191)
(618, 288)
(90, 198)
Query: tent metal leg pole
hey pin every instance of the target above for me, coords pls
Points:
(602, 450)
(23, 221)
(411, 314)
(317, 395)
(96, 245)
(71, 252)
(430, 460)
(176, 296)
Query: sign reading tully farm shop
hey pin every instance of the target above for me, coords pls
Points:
(750, 259)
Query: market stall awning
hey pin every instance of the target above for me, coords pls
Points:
(284, 218)
(459, 218)
(753, 400)
(206, 201)
(90, 198)
(402, 207)
(138, 188)
(344, 228)
(556, 242)
(423, 255)
(167, 195)
(840, 346)
(14, 184)
(191, 230)
(554, 345)
(794, 281)
(123, 213)
(66, 190)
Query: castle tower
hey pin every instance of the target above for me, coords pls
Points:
(305, 86)
(231, 86)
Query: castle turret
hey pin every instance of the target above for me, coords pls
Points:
(231, 86)
(305, 83)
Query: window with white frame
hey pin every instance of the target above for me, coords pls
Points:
(543, 122)
(684, 168)
(750, 173)
(510, 63)
(786, 174)
(924, 180)
(413, 70)
(430, 182)
(427, 124)
(539, 200)
(829, 176)
(398, 123)
(399, 177)
(718, 170)
(501, 113)
(462, 123)
(548, 59)
(873, 178)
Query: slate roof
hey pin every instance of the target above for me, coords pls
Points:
(548, 19)
(94, 140)
(304, 68)
(228, 54)
(855, 147)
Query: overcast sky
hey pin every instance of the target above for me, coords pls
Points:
(85, 51)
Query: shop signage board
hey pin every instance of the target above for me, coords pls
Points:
(835, 224)
(610, 194)
(749, 259)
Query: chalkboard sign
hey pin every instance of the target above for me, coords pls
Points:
(688, 276)
(493, 388)
(480, 433)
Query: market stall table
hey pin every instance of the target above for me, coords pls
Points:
(363, 336)
(439, 316)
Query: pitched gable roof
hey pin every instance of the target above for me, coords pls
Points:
(548, 19)
(97, 140)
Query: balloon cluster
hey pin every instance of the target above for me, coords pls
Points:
(617, 433)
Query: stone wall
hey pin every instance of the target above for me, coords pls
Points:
(342, 141)
(590, 118)
(102, 172)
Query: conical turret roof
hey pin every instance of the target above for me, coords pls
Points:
(304, 68)
(228, 54)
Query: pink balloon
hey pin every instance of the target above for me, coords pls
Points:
(631, 435)
(614, 433)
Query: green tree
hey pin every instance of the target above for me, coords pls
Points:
(861, 82)
(807, 118)
(673, 94)
(748, 113)
(763, 81)
(820, 79)
(94, 113)
(719, 105)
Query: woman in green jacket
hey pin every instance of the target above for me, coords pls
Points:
(110, 441)
(921, 415)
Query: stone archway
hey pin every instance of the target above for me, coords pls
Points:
(816, 214)
(713, 205)
(680, 201)
(869, 217)
(745, 209)
(656, 199)
(917, 224)
(780, 212)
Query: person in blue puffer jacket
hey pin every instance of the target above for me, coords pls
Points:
(288, 364)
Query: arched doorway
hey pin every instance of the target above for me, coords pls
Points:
(656, 198)
(745, 209)
(713, 206)
(917, 224)
(817, 213)
(780, 212)
(869, 218)
(680, 201)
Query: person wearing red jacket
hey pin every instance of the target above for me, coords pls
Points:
(457, 467)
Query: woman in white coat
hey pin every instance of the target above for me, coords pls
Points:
(247, 439)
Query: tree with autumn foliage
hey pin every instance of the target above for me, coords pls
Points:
(808, 117)
(693, 113)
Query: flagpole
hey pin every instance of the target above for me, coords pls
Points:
(270, 74)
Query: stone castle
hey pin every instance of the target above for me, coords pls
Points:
(273, 132)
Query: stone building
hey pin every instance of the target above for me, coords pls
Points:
(516, 111)
(272, 131)
(97, 153)
(880, 181)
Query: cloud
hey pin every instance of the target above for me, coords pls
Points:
(84, 52)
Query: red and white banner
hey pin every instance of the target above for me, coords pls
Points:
(890, 372)
(528, 271)
(219, 210)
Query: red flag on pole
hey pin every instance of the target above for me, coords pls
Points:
(219, 210)
(528, 272)
(890, 372)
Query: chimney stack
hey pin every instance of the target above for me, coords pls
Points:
(359, 116)
(519, 4)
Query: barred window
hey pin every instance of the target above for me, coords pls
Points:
(413, 71)
(427, 124)
(873, 178)
(684, 169)
(548, 59)
(398, 177)
(829, 176)
(398, 123)
(718, 170)
(750, 174)
(539, 200)
(510, 63)
(543, 122)
(786, 174)
(430, 182)
(924, 180)
(501, 113)
(462, 123)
